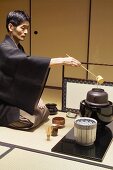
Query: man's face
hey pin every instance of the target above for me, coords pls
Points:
(19, 32)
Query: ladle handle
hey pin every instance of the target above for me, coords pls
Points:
(85, 68)
(88, 71)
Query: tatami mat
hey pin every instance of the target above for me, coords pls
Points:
(37, 137)
(3, 149)
(24, 160)
(37, 140)
(53, 96)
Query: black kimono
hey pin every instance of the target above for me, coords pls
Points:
(22, 80)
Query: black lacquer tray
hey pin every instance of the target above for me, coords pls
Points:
(68, 146)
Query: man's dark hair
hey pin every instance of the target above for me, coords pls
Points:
(16, 18)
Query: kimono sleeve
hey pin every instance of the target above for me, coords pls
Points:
(22, 78)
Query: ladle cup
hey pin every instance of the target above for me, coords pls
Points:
(99, 78)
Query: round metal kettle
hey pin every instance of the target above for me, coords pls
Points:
(97, 106)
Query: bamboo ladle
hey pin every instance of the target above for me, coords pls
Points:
(99, 78)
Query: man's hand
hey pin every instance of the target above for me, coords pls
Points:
(65, 61)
